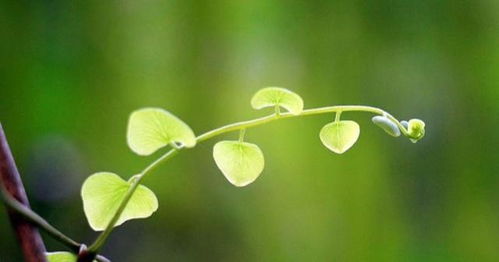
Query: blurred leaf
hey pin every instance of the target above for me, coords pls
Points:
(240, 162)
(61, 257)
(340, 136)
(102, 194)
(150, 129)
(387, 125)
(272, 96)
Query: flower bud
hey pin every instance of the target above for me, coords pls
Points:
(387, 125)
(416, 129)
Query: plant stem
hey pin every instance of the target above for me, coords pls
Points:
(307, 112)
(243, 125)
(39, 221)
(29, 238)
(242, 132)
(24, 216)
(337, 116)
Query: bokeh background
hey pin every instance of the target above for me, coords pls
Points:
(72, 71)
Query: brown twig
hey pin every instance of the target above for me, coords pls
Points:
(38, 221)
(29, 238)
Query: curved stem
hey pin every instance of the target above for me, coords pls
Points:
(28, 237)
(37, 220)
(101, 239)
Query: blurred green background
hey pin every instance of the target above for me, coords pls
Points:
(72, 71)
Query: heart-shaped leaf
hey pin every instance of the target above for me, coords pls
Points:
(272, 96)
(387, 125)
(150, 129)
(240, 162)
(61, 257)
(102, 194)
(340, 136)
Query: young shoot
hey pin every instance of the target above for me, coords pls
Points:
(109, 200)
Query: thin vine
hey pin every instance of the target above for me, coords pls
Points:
(109, 201)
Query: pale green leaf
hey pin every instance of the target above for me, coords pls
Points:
(240, 162)
(340, 136)
(102, 194)
(150, 129)
(272, 96)
(61, 257)
(386, 124)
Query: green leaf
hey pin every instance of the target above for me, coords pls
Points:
(272, 96)
(102, 194)
(240, 162)
(61, 257)
(340, 136)
(150, 129)
(387, 125)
